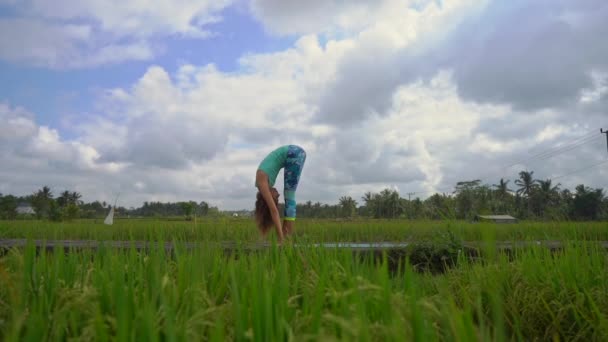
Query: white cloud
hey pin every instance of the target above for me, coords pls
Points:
(394, 21)
(359, 105)
(133, 18)
(75, 34)
(542, 61)
(63, 46)
(35, 155)
(598, 90)
(385, 56)
(551, 132)
(302, 17)
(17, 124)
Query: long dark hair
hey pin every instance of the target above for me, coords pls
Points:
(262, 213)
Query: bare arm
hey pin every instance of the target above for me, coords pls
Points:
(264, 187)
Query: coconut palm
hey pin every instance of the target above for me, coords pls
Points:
(526, 183)
(41, 201)
(546, 189)
(587, 203)
(348, 206)
(75, 198)
(389, 200)
(367, 197)
(45, 193)
(545, 197)
(370, 202)
(64, 198)
(502, 188)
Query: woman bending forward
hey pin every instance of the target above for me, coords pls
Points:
(291, 158)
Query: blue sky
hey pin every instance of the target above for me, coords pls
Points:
(54, 93)
(107, 96)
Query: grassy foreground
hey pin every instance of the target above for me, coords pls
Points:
(300, 294)
(304, 293)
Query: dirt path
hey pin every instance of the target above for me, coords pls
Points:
(68, 245)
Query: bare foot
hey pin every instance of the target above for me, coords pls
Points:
(288, 228)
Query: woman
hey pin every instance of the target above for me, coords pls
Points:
(291, 158)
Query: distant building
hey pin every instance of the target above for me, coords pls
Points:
(238, 213)
(496, 218)
(25, 209)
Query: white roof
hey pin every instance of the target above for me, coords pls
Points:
(25, 209)
(497, 217)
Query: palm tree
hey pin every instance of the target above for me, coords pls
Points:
(545, 188)
(316, 209)
(370, 203)
(389, 200)
(204, 208)
(348, 206)
(367, 197)
(527, 186)
(75, 198)
(587, 202)
(46, 193)
(64, 198)
(502, 188)
(546, 196)
(41, 201)
(501, 197)
(187, 209)
(307, 212)
(526, 183)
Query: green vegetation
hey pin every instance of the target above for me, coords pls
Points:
(433, 290)
(307, 230)
(533, 199)
(304, 293)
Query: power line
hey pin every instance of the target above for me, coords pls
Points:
(605, 132)
(568, 148)
(551, 152)
(552, 178)
(568, 142)
(581, 170)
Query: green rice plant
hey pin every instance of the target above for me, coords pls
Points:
(302, 291)
(307, 230)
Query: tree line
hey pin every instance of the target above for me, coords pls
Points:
(68, 206)
(533, 199)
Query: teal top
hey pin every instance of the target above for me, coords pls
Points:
(273, 163)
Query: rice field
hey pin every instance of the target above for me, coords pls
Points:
(243, 230)
(304, 293)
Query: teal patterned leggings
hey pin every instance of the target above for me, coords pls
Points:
(296, 156)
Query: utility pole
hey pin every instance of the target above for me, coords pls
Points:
(605, 132)
(409, 195)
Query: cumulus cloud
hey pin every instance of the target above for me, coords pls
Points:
(128, 18)
(63, 45)
(553, 52)
(44, 144)
(34, 155)
(392, 101)
(302, 17)
(386, 54)
(170, 121)
(76, 34)
(531, 55)
(18, 124)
